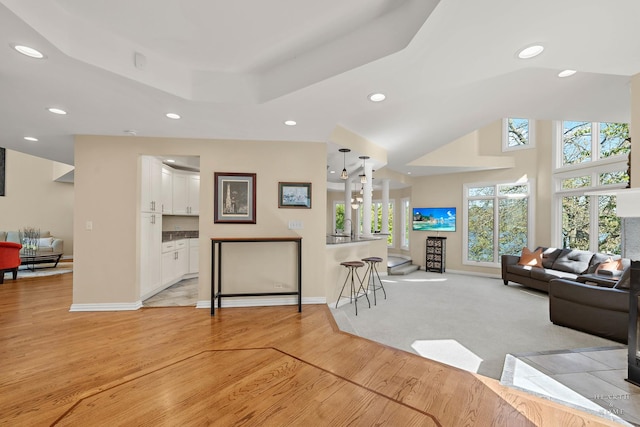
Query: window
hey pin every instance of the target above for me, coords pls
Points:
(579, 146)
(584, 215)
(376, 219)
(496, 221)
(517, 134)
(338, 215)
(405, 223)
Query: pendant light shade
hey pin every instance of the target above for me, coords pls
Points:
(344, 174)
(363, 177)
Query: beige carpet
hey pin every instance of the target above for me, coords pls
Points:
(466, 321)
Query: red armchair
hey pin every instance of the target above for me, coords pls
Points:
(9, 259)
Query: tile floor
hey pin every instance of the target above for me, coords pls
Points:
(589, 379)
(183, 293)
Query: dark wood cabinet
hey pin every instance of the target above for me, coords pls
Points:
(436, 254)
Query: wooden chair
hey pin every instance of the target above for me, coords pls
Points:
(9, 259)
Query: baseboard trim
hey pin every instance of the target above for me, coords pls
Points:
(125, 306)
(261, 302)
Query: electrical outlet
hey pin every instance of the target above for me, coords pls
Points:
(278, 285)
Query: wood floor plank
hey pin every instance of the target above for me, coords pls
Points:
(245, 366)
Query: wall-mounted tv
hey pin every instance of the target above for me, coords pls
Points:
(434, 219)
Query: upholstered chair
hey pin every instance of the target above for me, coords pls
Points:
(9, 259)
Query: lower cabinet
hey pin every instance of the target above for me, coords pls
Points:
(175, 260)
(194, 256)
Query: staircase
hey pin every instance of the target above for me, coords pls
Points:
(399, 265)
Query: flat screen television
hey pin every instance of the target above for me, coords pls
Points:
(434, 219)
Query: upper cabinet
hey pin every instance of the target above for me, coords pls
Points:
(186, 193)
(151, 179)
(167, 190)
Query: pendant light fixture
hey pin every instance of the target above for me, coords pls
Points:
(344, 174)
(354, 199)
(363, 177)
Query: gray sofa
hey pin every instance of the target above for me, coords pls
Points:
(595, 309)
(46, 242)
(557, 264)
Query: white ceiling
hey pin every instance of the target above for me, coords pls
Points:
(238, 69)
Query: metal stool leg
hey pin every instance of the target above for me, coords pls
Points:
(375, 268)
(354, 293)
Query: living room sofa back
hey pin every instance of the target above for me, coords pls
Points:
(46, 242)
(556, 264)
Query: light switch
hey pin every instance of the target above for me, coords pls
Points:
(296, 225)
(89, 225)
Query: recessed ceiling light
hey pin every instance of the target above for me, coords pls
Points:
(29, 51)
(566, 73)
(170, 161)
(173, 116)
(290, 122)
(31, 138)
(57, 111)
(530, 52)
(377, 97)
(332, 171)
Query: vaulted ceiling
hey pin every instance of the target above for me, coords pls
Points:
(239, 69)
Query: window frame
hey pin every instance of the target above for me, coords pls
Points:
(496, 215)
(592, 168)
(531, 143)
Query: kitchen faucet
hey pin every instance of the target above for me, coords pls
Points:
(350, 226)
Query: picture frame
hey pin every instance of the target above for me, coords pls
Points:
(234, 200)
(294, 195)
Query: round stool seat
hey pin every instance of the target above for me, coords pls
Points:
(352, 264)
(372, 259)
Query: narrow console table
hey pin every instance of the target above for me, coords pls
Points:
(216, 243)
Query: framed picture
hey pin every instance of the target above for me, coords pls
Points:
(234, 198)
(294, 195)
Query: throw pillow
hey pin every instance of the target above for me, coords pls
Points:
(611, 265)
(531, 259)
(45, 241)
(625, 280)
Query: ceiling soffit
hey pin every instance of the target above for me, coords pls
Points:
(340, 40)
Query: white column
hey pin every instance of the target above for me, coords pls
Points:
(366, 204)
(384, 227)
(347, 206)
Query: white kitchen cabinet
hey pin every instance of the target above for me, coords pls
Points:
(186, 193)
(194, 256)
(175, 261)
(151, 184)
(150, 253)
(167, 190)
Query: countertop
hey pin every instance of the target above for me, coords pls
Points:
(340, 239)
(168, 236)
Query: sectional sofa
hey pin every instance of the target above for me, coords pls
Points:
(579, 298)
(556, 264)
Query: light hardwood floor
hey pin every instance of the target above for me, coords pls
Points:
(245, 366)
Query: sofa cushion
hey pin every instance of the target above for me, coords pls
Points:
(573, 261)
(549, 256)
(532, 259)
(547, 275)
(13, 236)
(3, 236)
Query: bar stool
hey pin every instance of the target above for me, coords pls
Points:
(352, 267)
(372, 267)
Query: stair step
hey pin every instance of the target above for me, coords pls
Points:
(403, 269)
